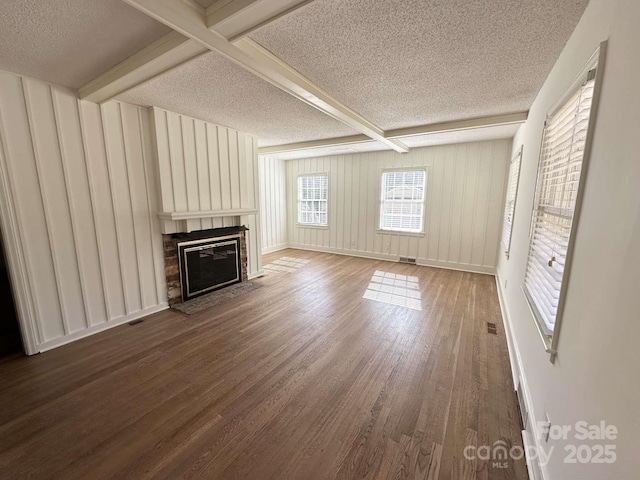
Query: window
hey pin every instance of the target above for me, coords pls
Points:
(510, 204)
(312, 199)
(563, 159)
(402, 200)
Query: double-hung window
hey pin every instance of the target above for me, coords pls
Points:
(313, 194)
(402, 198)
(561, 176)
(510, 202)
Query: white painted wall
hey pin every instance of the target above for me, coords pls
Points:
(595, 377)
(204, 169)
(209, 174)
(77, 212)
(465, 194)
(273, 206)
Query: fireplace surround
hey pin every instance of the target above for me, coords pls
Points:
(200, 262)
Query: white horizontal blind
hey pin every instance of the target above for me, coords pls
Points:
(510, 203)
(556, 194)
(402, 200)
(312, 199)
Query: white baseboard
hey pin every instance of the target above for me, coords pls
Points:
(58, 342)
(462, 267)
(348, 253)
(275, 248)
(517, 371)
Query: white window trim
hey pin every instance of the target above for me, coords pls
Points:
(384, 231)
(312, 225)
(551, 339)
(516, 162)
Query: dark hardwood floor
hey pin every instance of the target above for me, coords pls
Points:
(299, 379)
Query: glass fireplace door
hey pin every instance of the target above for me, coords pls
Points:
(209, 266)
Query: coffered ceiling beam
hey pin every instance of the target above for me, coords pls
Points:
(327, 142)
(232, 19)
(261, 63)
(457, 125)
(431, 129)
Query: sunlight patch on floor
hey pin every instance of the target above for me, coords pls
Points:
(285, 264)
(394, 289)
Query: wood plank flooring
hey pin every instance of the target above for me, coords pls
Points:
(299, 379)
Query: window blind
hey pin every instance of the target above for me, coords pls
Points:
(312, 200)
(510, 203)
(402, 196)
(559, 174)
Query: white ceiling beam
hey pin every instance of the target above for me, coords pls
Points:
(492, 121)
(327, 142)
(262, 63)
(231, 18)
(237, 19)
(431, 129)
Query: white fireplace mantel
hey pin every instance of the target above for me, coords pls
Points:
(175, 216)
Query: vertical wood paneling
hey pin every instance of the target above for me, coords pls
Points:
(213, 153)
(176, 158)
(52, 182)
(464, 190)
(119, 181)
(273, 207)
(150, 171)
(81, 205)
(234, 171)
(225, 173)
(100, 186)
(164, 160)
(84, 205)
(141, 213)
(249, 163)
(29, 207)
(204, 167)
(192, 184)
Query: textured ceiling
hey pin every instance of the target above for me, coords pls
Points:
(401, 63)
(205, 3)
(69, 42)
(215, 89)
(446, 138)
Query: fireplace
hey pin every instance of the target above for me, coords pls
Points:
(210, 264)
(201, 262)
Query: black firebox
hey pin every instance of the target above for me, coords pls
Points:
(209, 264)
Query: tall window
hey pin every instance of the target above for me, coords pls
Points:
(402, 197)
(510, 203)
(312, 199)
(560, 181)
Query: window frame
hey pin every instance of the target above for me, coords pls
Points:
(549, 338)
(516, 162)
(298, 200)
(387, 231)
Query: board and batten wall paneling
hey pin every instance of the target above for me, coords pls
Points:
(204, 168)
(273, 203)
(211, 172)
(465, 186)
(78, 214)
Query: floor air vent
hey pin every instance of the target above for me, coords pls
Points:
(407, 260)
(491, 328)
